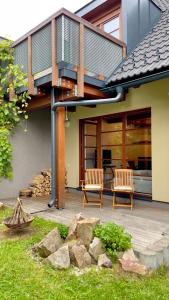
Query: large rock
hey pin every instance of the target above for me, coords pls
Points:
(85, 230)
(96, 248)
(130, 263)
(60, 259)
(70, 245)
(104, 261)
(72, 234)
(50, 244)
(82, 258)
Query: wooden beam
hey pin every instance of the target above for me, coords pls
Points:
(80, 72)
(30, 76)
(37, 103)
(60, 157)
(55, 73)
(93, 92)
(40, 102)
(99, 145)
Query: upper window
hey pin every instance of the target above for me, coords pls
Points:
(113, 27)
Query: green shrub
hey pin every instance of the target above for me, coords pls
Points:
(63, 229)
(113, 237)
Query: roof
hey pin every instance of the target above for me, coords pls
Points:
(162, 4)
(150, 56)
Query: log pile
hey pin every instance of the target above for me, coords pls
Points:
(40, 185)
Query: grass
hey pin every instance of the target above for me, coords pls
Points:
(22, 277)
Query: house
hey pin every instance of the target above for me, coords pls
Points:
(104, 49)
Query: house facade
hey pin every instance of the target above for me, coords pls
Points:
(104, 46)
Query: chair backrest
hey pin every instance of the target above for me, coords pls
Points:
(94, 176)
(123, 177)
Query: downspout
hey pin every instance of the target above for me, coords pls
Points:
(54, 106)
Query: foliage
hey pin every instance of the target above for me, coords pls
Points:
(5, 154)
(63, 229)
(24, 278)
(113, 237)
(12, 110)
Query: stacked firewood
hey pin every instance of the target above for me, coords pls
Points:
(41, 184)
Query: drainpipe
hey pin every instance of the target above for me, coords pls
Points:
(54, 105)
(53, 150)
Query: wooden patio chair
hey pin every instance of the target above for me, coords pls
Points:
(93, 183)
(123, 183)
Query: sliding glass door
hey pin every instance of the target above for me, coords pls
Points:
(118, 141)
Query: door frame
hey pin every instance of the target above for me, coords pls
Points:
(99, 119)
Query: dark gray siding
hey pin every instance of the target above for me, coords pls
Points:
(138, 18)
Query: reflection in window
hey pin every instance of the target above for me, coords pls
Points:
(113, 27)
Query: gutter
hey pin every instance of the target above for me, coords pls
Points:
(136, 82)
(54, 105)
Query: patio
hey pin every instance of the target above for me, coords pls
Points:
(147, 223)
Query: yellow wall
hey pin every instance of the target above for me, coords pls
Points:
(154, 95)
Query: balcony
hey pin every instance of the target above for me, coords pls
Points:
(67, 52)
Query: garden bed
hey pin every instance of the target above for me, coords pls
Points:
(22, 277)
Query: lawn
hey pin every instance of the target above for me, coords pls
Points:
(22, 277)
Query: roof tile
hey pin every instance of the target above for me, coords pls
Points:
(150, 55)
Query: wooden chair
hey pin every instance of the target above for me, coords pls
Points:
(93, 182)
(123, 183)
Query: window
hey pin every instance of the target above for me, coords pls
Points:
(113, 27)
(119, 141)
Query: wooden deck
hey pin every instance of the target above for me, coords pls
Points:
(146, 223)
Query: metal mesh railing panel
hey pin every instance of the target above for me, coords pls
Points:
(71, 41)
(41, 50)
(59, 39)
(101, 55)
(21, 55)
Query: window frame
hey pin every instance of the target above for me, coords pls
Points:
(118, 29)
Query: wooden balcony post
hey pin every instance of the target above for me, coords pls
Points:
(60, 159)
(54, 65)
(80, 73)
(30, 76)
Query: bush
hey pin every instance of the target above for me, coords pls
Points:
(63, 229)
(113, 237)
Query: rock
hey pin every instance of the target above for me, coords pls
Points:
(133, 266)
(104, 261)
(85, 230)
(50, 244)
(60, 259)
(72, 234)
(81, 257)
(130, 263)
(129, 255)
(70, 245)
(96, 248)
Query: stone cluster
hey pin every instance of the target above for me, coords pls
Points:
(80, 249)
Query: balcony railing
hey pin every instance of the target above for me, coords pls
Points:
(67, 41)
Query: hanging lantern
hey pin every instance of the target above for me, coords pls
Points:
(67, 121)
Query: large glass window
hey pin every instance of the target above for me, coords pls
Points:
(113, 27)
(122, 141)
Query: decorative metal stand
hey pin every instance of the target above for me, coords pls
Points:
(19, 219)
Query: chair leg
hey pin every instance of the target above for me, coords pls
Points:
(85, 200)
(101, 198)
(131, 200)
(114, 199)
